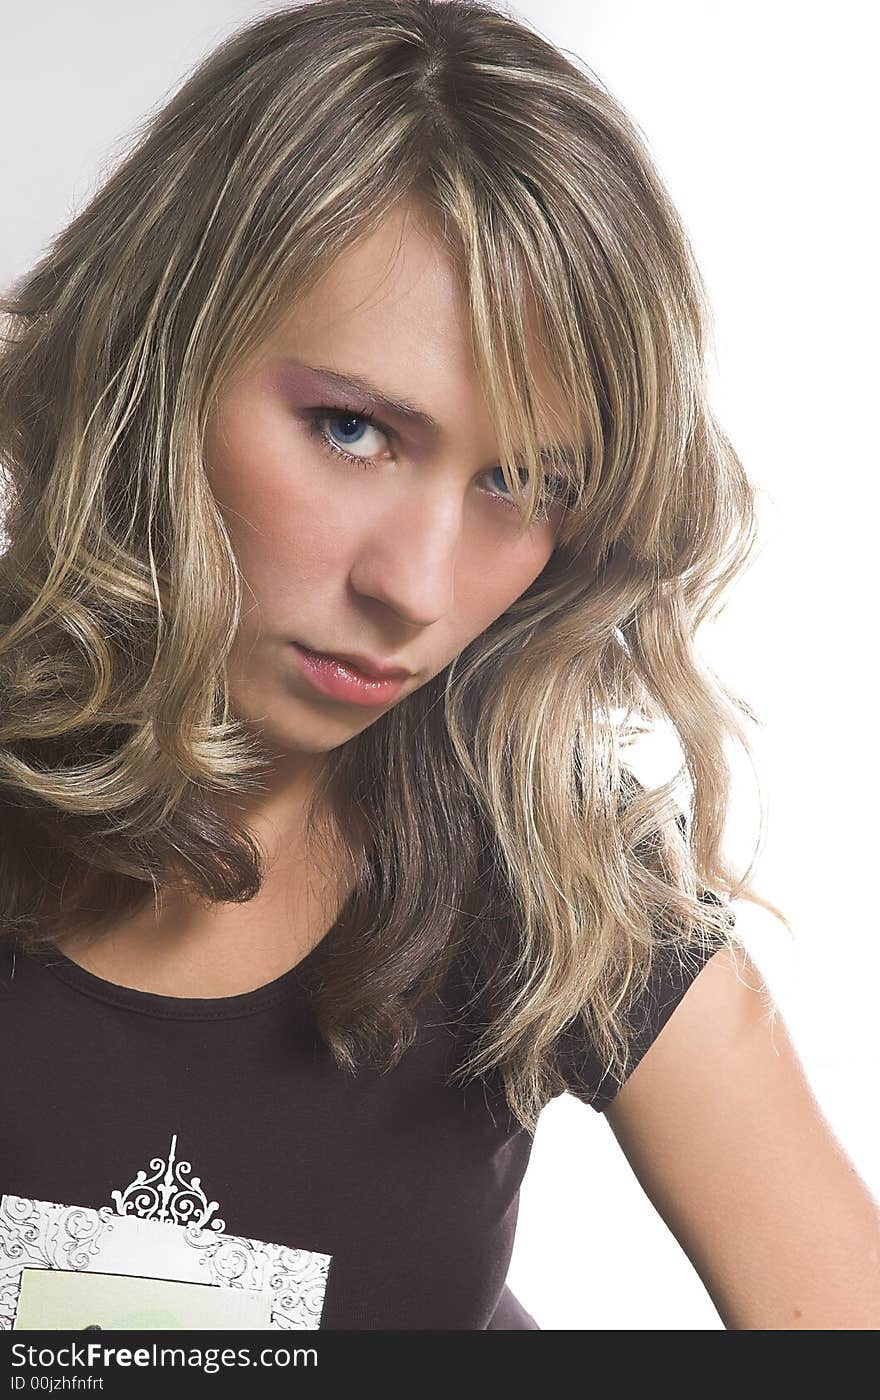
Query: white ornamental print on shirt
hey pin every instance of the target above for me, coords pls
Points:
(166, 1196)
(145, 1261)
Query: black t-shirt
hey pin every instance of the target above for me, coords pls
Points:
(187, 1162)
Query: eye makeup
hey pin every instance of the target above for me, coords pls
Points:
(338, 395)
(314, 417)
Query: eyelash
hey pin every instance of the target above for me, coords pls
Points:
(314, 417)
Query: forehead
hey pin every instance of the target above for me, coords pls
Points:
(389, 320)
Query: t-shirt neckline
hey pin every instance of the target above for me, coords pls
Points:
(288, 985)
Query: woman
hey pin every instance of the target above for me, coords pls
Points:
(383, 352)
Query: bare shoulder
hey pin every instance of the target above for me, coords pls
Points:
(726, 1012)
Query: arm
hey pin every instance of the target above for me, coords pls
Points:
(729, 1144)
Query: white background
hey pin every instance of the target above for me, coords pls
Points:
(758, 116)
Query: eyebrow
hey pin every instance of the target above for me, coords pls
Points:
(385, 402)
(410, 412)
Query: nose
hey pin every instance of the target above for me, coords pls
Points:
(408, 560)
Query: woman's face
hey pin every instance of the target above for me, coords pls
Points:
(408, 552)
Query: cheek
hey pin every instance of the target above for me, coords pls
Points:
(487, 592)
(275, 511)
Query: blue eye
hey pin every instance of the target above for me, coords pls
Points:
(353, 422)
(316, 418)
(557, 491)
(524, 476)
(347, 418)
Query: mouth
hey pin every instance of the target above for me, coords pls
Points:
(340, 679)
(360, 664)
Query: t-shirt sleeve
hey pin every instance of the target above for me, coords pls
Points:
(672, 973)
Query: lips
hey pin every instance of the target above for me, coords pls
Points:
(339, 679)
(363, 665)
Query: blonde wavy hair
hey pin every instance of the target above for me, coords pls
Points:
(492, 822)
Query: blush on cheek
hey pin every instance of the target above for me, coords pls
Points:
(251, 458)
